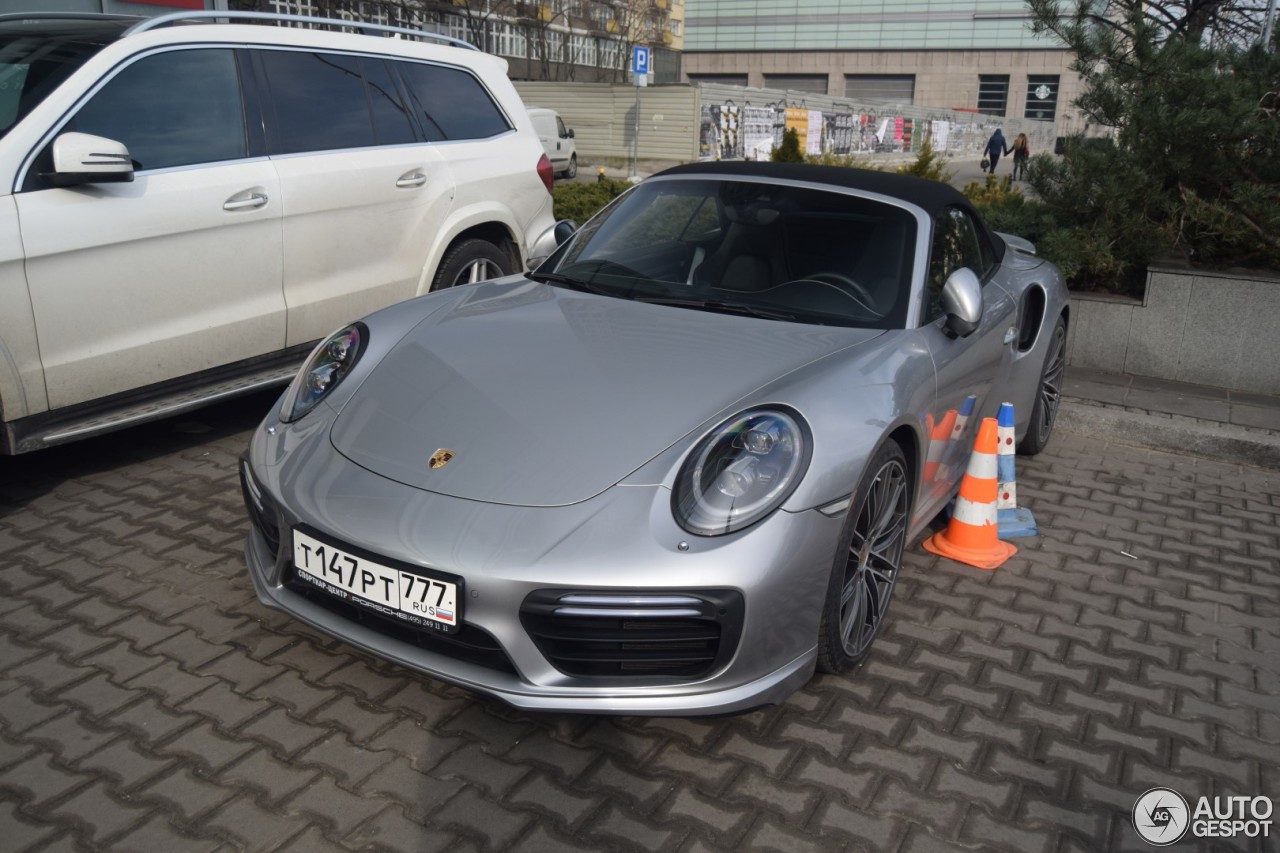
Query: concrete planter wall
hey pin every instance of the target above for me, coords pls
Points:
(1211, 328)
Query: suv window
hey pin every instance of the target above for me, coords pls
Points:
(175, 108)
(451, 103)
(392, 120)
(956, 244)
(319, 100)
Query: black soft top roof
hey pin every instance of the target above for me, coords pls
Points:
(931, 196)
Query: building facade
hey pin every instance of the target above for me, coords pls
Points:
(571, 40)
(954, 54)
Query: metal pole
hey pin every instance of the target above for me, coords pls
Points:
(635, 139)
(1267, 28)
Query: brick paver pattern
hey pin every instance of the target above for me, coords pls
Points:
(149, 702)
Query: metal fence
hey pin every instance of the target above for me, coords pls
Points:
(721, 121)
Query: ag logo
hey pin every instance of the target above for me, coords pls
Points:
(1161, 816)
(440, 458)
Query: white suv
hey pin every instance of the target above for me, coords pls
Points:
(186, 206)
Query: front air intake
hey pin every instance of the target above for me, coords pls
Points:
(635, 636)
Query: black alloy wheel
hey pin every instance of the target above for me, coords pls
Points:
(1048, 395)
(867, 564)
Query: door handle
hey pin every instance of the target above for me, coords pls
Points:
(253, 200)
(415, 179)
(1010, 335)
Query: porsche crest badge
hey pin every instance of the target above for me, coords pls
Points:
(440, 458)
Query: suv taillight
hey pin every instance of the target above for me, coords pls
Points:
(546, 173)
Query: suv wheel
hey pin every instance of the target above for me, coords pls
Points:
(572, 171)
(469, 262)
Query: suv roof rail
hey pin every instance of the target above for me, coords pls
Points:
(272, 17)
(65, 16)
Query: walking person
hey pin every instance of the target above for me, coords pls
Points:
(1021, 153)
(995, 147)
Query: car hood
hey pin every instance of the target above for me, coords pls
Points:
(547, 397)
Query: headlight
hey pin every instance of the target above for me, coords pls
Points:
(740, 472)
(328, 365)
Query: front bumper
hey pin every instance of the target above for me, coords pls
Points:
(623, 540)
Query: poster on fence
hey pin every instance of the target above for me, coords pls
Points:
(814, 142)
(757, 132)
(837, 132)
(941, 135)
(721, 132)
(798, 120)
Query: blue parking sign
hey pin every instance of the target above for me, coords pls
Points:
(639, 60)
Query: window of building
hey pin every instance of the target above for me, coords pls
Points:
(897, 89)
(171, 109)
(816, 83)
(1042, 97)
(993, 94)
(452, 103)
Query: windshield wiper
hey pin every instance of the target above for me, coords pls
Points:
(718, 307)
(568, 281)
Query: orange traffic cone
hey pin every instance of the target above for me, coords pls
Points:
(972, 536)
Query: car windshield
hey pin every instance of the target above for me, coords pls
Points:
(36, 57)
(767, 250)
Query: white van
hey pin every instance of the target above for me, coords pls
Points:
(187, 206)
(557, 141)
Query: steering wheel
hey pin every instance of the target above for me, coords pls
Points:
(848, 286)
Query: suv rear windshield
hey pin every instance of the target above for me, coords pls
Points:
(36, 57)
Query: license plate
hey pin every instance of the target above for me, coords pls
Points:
(426, 601)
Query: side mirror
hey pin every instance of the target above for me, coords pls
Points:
(962, 300)
(79, 158)
(550, 240)
(571, 133)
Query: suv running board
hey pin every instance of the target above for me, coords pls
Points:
(43, 431)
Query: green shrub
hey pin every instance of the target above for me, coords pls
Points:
(580, 202)
(789, 151)
(847, 161)
(928, 164)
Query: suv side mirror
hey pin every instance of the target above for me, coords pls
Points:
(962, 300)
(571, 133)
(80, 158)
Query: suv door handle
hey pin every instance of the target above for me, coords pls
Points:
(238, 202)
(413, 179)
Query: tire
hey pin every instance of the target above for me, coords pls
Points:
(469, 262)
(1044, 413)
(572, 171)
(867, 562)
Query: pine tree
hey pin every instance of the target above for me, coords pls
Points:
(1195, 160)
(789, 151)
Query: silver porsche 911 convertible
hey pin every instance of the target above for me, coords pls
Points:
(673, 470)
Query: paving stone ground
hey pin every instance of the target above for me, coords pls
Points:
(148, 702)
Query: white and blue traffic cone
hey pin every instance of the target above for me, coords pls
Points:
(1012, 521)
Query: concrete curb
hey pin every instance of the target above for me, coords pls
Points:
(1172, 433)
